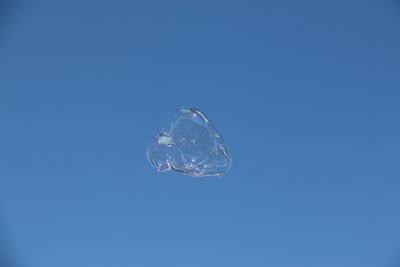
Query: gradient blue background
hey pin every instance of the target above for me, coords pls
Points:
(305, 94)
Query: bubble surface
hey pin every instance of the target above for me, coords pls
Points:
(190, 145)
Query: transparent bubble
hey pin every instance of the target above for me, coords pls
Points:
(190, 145)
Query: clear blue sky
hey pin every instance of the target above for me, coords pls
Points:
(305, 93)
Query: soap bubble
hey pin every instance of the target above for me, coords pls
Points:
(191, 145)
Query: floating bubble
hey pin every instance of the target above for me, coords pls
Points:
(190, 145)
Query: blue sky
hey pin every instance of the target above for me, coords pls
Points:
(305, 94)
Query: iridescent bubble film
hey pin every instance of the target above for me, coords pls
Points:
(191, 145)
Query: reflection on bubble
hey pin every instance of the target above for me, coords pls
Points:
(190, 145)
